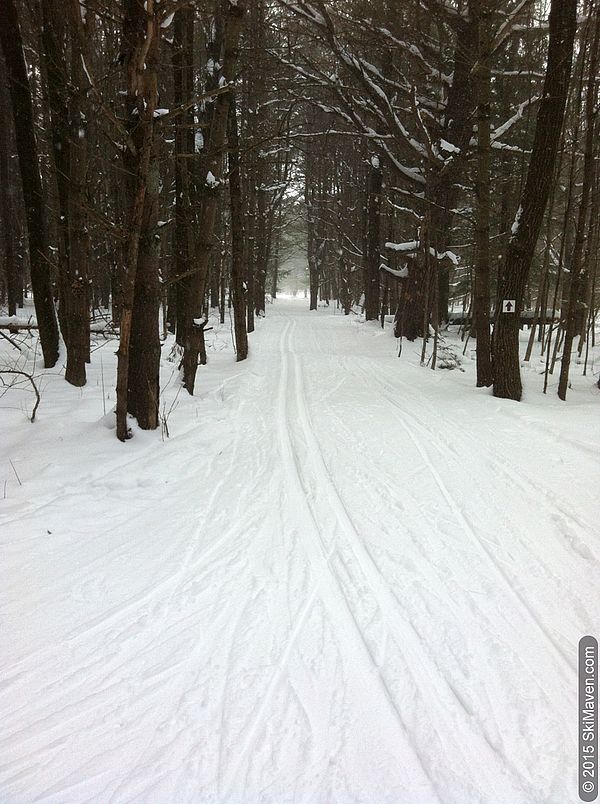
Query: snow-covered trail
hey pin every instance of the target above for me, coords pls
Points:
(335, 586)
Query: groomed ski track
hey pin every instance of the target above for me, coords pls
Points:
(348, 581)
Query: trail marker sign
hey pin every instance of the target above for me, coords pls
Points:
(508, 305)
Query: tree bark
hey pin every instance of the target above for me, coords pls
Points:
(78, 252)
(218, 129)
(55, 60)
(310, 179)
(373, 257)
(144, 361)
(576, 289)
(238, 292)
(139, 346)
(442, 188)
(13, 279)
(513, 278)
(482, 80)
(183, 88)
(24, 120)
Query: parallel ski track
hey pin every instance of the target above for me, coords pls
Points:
(412, 646)
(514, 477)
(565, 659)
(517, 479)
(383, 487)
(327, 586)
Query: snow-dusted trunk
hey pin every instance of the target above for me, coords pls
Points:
(139, 346)
(213, 45)
(576, 290)
(24, 120)
(591, 263)
(233, 14)
(445, 184)
(373, 259)
(311, 249)
(262, 243)
(185, 144)
(482, 80)
(442, 191)
(278, 219)
(514, 274)
(54, 39)
(14, 289)
(257, 25)
(77, 290)
(250, 239)
(238, 291)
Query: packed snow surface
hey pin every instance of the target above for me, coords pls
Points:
(341, 578)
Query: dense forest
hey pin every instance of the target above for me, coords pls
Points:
(299, 391)
(436, 160)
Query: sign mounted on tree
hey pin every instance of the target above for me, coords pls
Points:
(508, 305)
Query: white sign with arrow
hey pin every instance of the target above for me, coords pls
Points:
(508, 305)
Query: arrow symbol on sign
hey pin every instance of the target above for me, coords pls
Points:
(508, 306)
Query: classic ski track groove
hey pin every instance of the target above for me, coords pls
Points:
(413, 648)
(568, 663)
(327, 584)
(148, 666)
(524, 483)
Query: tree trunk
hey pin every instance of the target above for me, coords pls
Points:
(54, 57)
(144, 360)
(313, 266)
(442, 189)
(261, 245)
(183, 89)
(591, 259)
(139, 347)
(206, 224)
(7, 203)
(78, 252)
(238, 293)
(482, 80)
(23, 113)
(513, 279)
(373, 257)
(250, 240)
(575, 290)
(409, 316)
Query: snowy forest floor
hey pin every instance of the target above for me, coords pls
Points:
(342, 577)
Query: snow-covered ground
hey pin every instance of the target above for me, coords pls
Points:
(341, 578)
